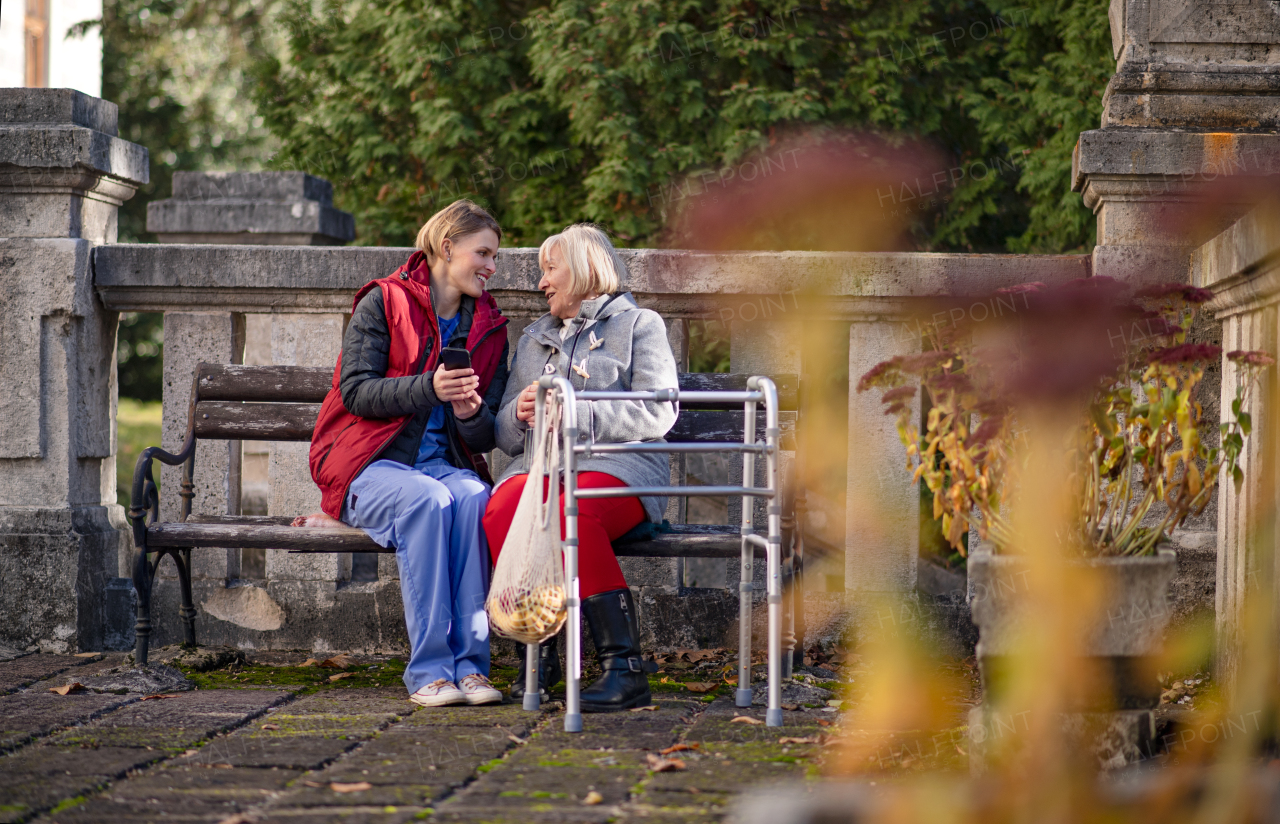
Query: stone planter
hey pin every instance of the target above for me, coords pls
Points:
(1123, 636)
(1130, 621)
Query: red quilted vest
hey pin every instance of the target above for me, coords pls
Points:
(343, 444)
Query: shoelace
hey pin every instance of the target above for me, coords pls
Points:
(476, 680)
(439, 684)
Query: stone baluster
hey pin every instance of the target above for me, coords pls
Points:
(63, 175)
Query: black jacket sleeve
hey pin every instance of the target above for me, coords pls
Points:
(477, 431)
(366, 391)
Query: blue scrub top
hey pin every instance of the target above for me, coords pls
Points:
(434, 442)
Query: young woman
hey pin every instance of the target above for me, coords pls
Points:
(599, 339)
(398, 443)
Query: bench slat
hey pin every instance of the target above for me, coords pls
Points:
(297, 384)
(295, 421)
(707, 426)
(274, 532)
(232, 420)
(310, 384)
(255, 536)
(788, 395)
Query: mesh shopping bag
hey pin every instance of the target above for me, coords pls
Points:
(527, 596)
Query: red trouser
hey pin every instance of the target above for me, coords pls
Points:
(600, 521)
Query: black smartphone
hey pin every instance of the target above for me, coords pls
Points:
(454, 358)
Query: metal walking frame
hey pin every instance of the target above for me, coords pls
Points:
(760, 390)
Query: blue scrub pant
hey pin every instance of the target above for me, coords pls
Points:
(431, 514)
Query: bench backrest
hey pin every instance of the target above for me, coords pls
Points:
(281, 403)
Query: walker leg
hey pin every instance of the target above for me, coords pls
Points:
(742, 695)
(532, 695)
(773, 715)
(573, 661)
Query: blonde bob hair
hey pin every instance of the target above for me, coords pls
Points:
(595, 268)
(459, 219)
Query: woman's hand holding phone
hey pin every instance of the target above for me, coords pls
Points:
(455, 384)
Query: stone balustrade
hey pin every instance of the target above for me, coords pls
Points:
(763, 298)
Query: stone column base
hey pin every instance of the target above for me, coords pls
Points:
(56, 565)
(1112, 739)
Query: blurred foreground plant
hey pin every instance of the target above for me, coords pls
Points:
(1139, 464)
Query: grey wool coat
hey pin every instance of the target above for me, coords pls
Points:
(620, 347)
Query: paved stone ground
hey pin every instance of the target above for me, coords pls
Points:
(285, 744)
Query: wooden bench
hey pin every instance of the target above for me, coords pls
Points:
(281, 403)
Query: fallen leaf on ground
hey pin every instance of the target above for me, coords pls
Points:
(680, 748)
(822, 723)
(650, 708)
(593, 798)
(790, 706)
(357, 787)
(517, 739)
(87, 654)
(68, 689)
(270, 726)
(238, 818)
(700, 686)
(310, 662)
(312, 783)
(339, 661)
(745, 719)
(812, 739)
(155, 697)
(340, 676)
(659, 764)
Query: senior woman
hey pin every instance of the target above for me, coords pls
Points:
(598, 338)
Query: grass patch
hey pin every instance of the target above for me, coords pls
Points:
(306, 679)
(68, 804)
(139, 427)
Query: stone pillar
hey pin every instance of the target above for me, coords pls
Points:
(301, 340)
(1194, 93)
(1242, 266)
(189, 339)
(63, 176)
(882, 509)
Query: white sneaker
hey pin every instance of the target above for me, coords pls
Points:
(476, 690)
(439, 693)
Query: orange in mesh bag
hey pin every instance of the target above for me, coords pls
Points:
(527, 596)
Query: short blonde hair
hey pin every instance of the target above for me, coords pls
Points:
(595, 268)
(459, 219)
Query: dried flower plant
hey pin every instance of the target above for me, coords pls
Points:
(1141, 463)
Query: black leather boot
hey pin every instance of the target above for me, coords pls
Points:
(615, 629)
(549, 671)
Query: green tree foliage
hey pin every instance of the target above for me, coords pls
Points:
(615, 111)
(139, 355)
(178, 69)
